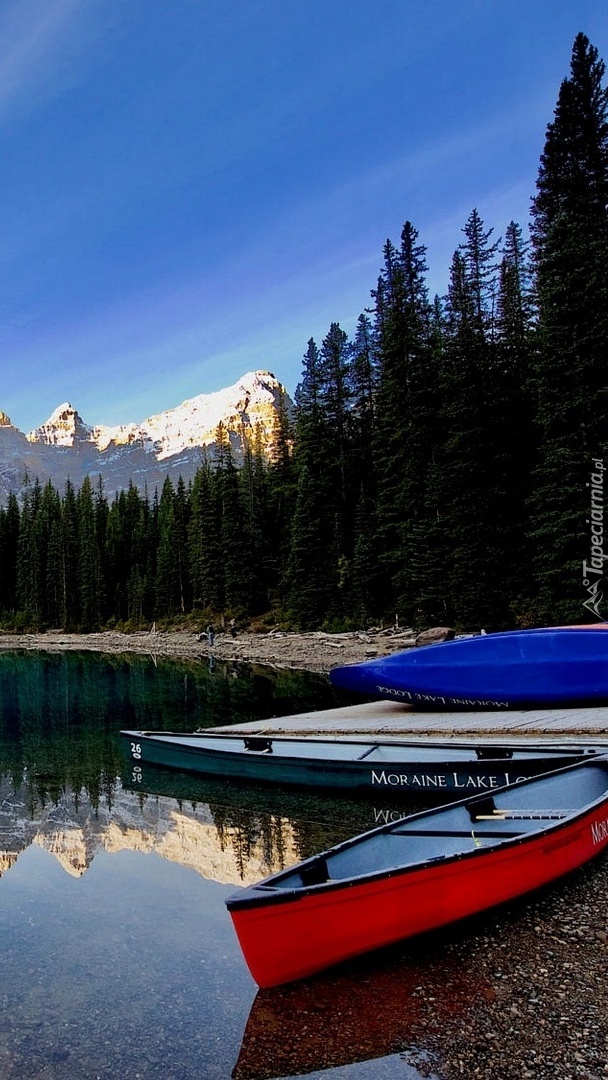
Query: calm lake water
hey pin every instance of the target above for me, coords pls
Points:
(118, 957)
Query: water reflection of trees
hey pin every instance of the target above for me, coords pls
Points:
(60, 717)
(140, 692)
(296, 830)
(276, 836)
(244, 831)
(60, 713)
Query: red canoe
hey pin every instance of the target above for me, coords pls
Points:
(421, 873)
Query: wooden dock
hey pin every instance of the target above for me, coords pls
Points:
(391, 719)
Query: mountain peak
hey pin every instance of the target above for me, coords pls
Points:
(64, 427)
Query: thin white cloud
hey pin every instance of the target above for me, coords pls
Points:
(31, 33)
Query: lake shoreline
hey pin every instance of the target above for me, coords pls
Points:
(314, 652)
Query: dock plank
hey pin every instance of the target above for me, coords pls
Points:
(388, 718)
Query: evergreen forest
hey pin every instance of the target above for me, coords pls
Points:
(443, 465)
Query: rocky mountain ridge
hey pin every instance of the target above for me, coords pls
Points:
(172, 443)
(74, 831)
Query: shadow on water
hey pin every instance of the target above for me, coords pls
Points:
(285, 825)
(117, 952)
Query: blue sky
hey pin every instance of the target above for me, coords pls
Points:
(191, 189)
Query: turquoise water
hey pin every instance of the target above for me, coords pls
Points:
(117, 954)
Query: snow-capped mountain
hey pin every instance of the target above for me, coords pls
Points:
(173, 443)
(64, 427)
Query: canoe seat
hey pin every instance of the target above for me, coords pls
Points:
(500, 834)
(483, 810)
(487, 810)
(259, 745)
(493, 753)
(525, 815)
(366, 753)
(315, 873)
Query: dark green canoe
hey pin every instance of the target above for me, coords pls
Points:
(390, 766)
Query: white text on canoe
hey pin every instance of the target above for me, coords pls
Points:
(442, 780)
(599, 831)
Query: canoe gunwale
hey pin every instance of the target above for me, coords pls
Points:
(265, 893)
(558, 748)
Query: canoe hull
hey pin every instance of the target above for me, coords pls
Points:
(289, 937)
(516, 669)
(428, 770)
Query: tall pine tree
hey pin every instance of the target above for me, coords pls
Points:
(405, 415)
(468, 482)
(312, 574)
(570, 235)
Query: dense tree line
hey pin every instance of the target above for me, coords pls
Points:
(438, 466)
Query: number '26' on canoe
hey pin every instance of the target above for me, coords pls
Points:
(422, 872)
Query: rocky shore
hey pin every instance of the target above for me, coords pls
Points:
(316, 652)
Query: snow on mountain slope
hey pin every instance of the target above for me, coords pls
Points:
(253, 399)
(172, 443)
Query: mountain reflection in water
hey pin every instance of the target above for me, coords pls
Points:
(225, 832)
(263, 829)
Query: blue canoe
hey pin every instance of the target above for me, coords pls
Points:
(516, 669)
